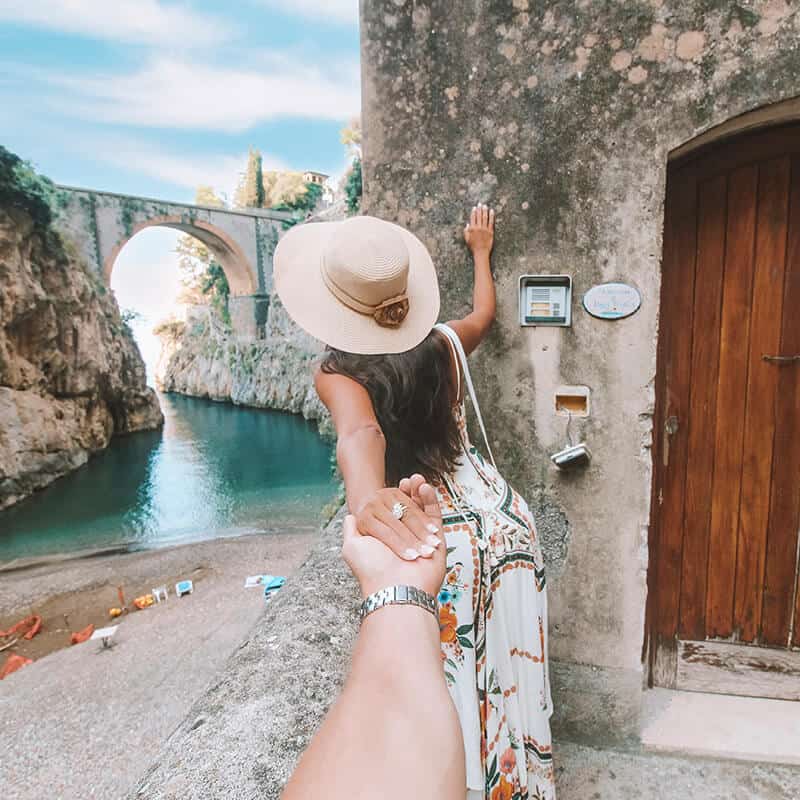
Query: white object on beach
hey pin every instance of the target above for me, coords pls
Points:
(105, 634)
(183, 587)
(160, 594)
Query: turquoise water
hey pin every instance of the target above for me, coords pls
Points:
(214, 470)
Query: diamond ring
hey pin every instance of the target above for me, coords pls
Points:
(398, 510)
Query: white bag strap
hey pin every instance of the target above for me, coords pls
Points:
(461, 357)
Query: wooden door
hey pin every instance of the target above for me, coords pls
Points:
(724, 606)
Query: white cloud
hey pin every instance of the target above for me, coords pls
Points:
(132, 21)
(343, 11)
(221, 171)
(173, 93)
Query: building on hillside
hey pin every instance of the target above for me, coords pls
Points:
(644, 161)
(319, 178)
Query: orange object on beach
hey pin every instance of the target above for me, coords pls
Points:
(145, 601)
(33, 623)
(82, 636)
(13, 663)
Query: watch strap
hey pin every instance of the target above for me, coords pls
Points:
(398, 595)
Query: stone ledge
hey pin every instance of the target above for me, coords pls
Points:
(244, 735)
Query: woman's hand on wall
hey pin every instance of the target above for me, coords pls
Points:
(412, 536)
(479, 231)
(375, 566)
(479, 236)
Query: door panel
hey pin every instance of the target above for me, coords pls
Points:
(762, 381)
(702, 404)
(726, 499)
(731, 397)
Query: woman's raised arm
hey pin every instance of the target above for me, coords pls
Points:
(479, 236)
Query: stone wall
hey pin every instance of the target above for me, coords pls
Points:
(562, 115)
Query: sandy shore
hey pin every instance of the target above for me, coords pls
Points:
(84, 722)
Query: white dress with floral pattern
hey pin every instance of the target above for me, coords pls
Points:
(493, 622)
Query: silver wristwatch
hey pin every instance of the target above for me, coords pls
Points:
(398, 595)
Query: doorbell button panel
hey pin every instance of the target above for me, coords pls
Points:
(545, 300)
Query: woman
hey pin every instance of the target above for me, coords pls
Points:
(393, 383)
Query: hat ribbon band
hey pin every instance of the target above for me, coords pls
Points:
(351, 302)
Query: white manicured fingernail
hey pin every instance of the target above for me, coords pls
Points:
(433, 541)
(411, 555)
(432, 528)
(427, 551)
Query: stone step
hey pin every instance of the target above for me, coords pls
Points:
(721, 726)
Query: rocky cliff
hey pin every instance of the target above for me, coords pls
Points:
(71, 376)
(200, 357)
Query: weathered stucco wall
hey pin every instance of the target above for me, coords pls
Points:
(562, 115)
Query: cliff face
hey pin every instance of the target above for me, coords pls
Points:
(71, 376)
(201, 358)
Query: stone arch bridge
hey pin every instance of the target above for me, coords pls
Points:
(99, 224)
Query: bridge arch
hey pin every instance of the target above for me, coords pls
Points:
(242, 276)
(99, 224)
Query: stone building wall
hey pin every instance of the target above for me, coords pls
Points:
(563, 115)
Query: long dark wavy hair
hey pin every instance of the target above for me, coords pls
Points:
(413, 395)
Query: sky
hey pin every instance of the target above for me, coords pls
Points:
(155, 97)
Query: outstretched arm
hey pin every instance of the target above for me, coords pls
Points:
(479, 236)
(360, 452)
(393, 733)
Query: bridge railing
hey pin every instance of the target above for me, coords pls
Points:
(263, 213)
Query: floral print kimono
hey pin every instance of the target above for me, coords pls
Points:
(493, 623)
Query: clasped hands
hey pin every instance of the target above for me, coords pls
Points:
(382, 550)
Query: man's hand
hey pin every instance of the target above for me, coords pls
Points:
(376, 566)
(479, 231)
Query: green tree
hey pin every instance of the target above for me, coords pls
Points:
(250, 191)
(283, 188)
(22, 187)
(206, 196)
(354, 187)
(130, 317)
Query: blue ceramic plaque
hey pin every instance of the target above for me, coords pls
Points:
(612, 300)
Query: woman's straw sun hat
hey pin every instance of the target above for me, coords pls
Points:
(363, 285)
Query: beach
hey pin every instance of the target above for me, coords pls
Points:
(84, 721)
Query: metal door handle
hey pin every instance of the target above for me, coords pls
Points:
(782, 359)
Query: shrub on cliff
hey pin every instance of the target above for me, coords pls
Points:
(23, 188)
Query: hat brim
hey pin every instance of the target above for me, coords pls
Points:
(298, 281)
